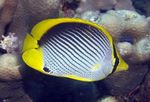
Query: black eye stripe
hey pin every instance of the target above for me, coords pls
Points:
(46, 69)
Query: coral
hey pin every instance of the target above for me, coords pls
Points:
(87, 5)
(68, 8)
(30, 12)
(66, 13)
(125, 48)
(9, 67)
(124, 5)
(143, 46)
(137, 53)
(142, 49)
(11, 83)
(10, 43)
(6, 14)
(108, 99)
(131, 23)
(1, 3)
(124, 22)
(118, 22)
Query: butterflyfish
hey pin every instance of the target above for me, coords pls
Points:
(72, 48)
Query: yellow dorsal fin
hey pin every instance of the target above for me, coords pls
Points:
(41, 28)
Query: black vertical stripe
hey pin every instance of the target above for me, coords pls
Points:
(102, 44)
(101, 47)
(59, 65)
(85, 40)
(90, 43)
(94, 40)
(53, 53)
(117, 59)
(62, 44)
(69, 50)
(102, 35)
(79, 44)
(70, 47)
(82, 43)
(47, 63)
(64, 60)
(100, 38)
(62, 53)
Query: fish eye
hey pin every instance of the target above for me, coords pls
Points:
(46, 69)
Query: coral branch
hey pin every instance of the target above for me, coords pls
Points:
(10, 43)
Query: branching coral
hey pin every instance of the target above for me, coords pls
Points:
(10, 43)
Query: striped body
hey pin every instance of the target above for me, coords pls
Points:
(72, 48)
(78, 50)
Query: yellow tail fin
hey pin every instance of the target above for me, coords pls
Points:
(122, 65)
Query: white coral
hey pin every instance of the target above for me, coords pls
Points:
(108, 99)
(143, 49)
(10, 67)
(125, 48)
(119, 21)
(10, 43)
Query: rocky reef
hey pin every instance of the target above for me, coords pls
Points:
(127, 21)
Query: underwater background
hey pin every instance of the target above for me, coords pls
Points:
(128, 22)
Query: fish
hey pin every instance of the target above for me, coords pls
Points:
(72, 48)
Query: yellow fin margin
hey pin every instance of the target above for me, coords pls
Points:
(41, 28)
(29, 43)
(122, 66)
(78, 78)
(34, 59)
